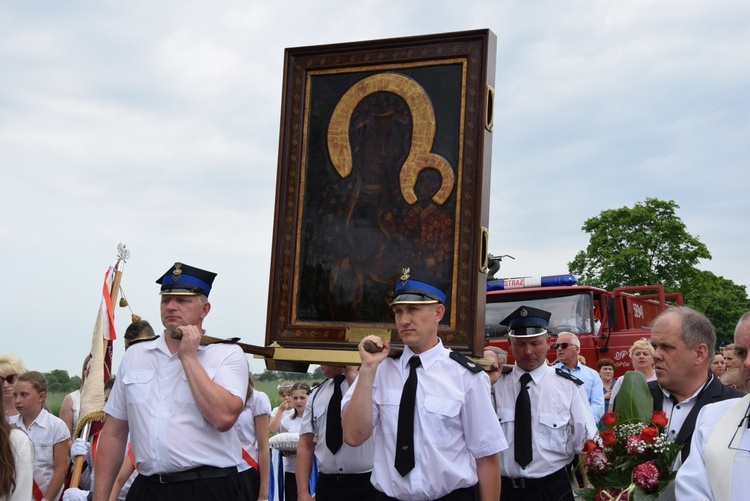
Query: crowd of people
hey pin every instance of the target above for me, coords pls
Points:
(422, 422)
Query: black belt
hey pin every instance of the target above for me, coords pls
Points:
(531, 483)
(201, 472)
(345, 478)
(461, 494)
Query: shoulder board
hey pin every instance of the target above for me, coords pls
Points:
(568, 375)
(143, 340)
(463, 360)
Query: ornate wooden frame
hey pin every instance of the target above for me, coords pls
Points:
(365, 129)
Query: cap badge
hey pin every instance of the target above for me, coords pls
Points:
(523, 312)
(405, 274)
(177, 271)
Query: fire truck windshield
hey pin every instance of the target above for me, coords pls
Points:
(570, 313)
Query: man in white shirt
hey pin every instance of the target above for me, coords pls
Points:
(179, 401)
(717, 468)
(683, 341)
(344, 471)
(428, 410)
(546, 432)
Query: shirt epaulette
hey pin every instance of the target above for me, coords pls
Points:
(142, 340)
(463, 360)
(568, 375)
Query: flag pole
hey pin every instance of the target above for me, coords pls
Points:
(92, 391)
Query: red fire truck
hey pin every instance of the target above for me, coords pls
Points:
(607, 323)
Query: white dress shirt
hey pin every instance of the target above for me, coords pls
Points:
(677, 413)
(453, 425)
(292, 426)
(347, 459)
(692, 478)
(45, 432)
(167, 431)
(561, 421)
(258, 405)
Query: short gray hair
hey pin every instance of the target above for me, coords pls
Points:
(696, 328)
(502, 355)
(576, 342)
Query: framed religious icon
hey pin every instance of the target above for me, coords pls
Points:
(384, 164)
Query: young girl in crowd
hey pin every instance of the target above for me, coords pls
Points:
(252, 429)
(292, 423)
(49, 434)
(285, 407)
(16, 462)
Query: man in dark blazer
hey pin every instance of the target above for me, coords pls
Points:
(684, 341)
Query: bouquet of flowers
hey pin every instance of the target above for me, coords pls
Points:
(632, 456)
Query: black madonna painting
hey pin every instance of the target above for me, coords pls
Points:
(384, 165)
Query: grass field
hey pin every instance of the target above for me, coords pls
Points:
(270, 388)
(54, 401)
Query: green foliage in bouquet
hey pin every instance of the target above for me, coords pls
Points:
(631, 458)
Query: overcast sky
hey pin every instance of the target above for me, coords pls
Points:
(155, 124)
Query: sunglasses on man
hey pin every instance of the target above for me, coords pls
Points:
(564, 346)
(10, 378)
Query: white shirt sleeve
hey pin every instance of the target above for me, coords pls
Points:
(692, 477)
(23, 453)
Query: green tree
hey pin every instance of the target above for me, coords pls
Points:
(648, 244)
(57, 381)
(643, 245)
(268, 376)
(720, 299)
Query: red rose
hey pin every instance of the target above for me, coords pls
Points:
(659, 418)
(611, 418)
(589, 445)
(608, 437)
(648, 434)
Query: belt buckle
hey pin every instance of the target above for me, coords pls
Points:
(518, 483)
(161, 481)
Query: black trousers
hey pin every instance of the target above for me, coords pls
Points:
(345, 488)
(250, 484)
(464, 494)
(558, 488)
(290, 486)
(218, 489)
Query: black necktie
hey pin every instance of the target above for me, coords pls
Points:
(405, 435)
(334, 435)
(522, 438)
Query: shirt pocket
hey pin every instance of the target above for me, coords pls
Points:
(553, 431)
(137, 385)
(440, 419)
(184, 393)
(43, 455)
(387, 402)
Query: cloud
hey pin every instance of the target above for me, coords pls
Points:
(157, 124)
